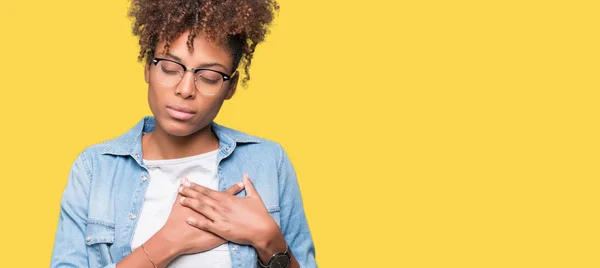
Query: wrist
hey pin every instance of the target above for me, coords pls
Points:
(168, 248)
(270, 245)
(263, 239)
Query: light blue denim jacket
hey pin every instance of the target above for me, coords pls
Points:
(107, 183)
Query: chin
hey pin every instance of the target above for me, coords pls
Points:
(177, 128)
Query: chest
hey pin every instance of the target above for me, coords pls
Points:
(119, 191)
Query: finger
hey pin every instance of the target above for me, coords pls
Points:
(205, 191)
(188, 193)
(202, 224)
(189, 210)
(205, 208)
(234, 189)
(250, 190)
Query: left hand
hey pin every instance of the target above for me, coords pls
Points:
(242, 220)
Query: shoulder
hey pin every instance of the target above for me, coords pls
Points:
(94, 154)
(268, 152)
(123, 145)
(248, 141)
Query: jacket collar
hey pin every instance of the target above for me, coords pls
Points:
(130, 143)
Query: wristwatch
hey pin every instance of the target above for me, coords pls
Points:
(278, 260)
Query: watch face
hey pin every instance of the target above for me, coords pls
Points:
(280, 261)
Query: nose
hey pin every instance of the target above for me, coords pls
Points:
(187, 87)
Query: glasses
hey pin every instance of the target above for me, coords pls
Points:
(170, 73)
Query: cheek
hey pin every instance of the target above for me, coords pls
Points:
(153, 99)
(213, 108)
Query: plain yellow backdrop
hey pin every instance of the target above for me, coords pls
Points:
(424, 133)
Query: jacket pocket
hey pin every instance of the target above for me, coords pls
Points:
(274, 212)
(99, 237)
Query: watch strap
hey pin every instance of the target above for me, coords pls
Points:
(268, 265)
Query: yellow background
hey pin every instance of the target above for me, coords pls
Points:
(424, 133)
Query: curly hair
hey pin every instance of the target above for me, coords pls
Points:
(238, 24)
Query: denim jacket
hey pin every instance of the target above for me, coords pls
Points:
(108, 181)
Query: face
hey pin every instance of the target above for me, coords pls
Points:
(182, 110)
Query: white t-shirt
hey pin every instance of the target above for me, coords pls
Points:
(165, 176)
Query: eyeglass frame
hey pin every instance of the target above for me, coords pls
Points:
(225, 76)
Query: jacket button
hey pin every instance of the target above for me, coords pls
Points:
(234, 248)
(88, 239)
(144, 178)
(133, 217)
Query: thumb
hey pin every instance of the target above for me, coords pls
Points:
(234, 189)
(250, 190)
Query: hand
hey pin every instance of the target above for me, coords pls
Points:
(187, 239)
(242, 220)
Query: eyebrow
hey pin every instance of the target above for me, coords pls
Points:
(204, 65)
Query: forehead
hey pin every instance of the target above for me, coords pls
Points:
(204, 51)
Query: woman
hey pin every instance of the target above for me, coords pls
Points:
(178, 190)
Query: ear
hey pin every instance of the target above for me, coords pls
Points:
(232, 86)
(147, 73)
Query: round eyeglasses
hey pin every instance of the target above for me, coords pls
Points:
(170, 73)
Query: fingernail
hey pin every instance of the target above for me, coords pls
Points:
(180, 189)
(187, 184)
(191, 220)
(240, 184)
(181, 199)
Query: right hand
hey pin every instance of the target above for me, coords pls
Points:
(186, 239)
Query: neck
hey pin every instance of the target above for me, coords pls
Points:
(160, 145)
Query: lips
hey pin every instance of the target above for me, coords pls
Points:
(180, 113)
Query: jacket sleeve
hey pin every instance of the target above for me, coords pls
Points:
(70, 249)
(294, 225)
